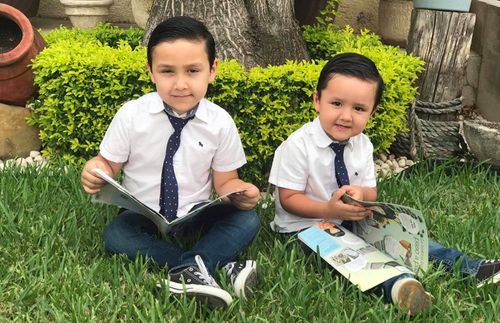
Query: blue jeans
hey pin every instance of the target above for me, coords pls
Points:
(440, 255)
(224, 232)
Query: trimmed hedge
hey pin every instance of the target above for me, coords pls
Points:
(82, 84)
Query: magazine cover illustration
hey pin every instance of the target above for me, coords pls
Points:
(391, 242)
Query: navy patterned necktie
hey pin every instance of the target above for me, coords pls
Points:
(341, 173)
(169, 191)
(340, 169)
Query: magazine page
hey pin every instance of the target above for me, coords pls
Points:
(115, 194)
(398, 230)
(361, 263)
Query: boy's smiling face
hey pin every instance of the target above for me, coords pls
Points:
(345, 105)
(181, 72)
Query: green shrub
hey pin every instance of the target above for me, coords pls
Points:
(83, 83)
(398, 69)
(267, 104)
(104, 34)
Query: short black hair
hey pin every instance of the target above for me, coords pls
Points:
(181, 27)
(351, 64)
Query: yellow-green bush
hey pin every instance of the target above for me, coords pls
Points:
(83, 83)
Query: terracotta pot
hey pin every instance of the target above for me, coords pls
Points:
(28, 8)
(19, 44)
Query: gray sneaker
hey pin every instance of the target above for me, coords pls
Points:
(243, 276)
(195, 281)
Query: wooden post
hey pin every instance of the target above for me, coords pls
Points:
(442, 39)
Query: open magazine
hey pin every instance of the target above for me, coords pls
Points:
(115, 194)
(390, 242)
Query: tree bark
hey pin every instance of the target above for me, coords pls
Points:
(254, 32)
(442, 39)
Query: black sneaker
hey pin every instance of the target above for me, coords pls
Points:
(488, 273)
(195, 281)
(243, 276)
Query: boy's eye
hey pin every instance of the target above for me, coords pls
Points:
(166, 71)
(336, 103)
(193, 70)
(360, 109)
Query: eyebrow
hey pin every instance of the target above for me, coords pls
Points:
(184, 66)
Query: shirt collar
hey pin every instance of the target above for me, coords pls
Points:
(200, 111)
(321, 138)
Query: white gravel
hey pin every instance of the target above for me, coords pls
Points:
(385, 165)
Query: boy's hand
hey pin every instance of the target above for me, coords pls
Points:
(247, 199)
(344, 211)
(90, 181)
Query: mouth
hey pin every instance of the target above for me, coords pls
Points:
(182, 96)
(341, 126)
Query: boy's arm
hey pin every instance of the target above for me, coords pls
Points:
(226, 182)
(92, 183)
(298, 203)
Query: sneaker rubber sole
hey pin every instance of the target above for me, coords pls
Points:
(491, 280)
(216, 298)
(246, 280)
(413, 298)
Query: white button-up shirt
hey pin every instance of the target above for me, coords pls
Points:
(138, 137)
(305, 162)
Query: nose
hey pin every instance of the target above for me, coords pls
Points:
(180, 83)
(346, 113)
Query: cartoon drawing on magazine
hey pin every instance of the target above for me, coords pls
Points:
(331, 229)
(401, 249)
(410, 224)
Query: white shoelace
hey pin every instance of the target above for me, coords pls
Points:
(204, 274)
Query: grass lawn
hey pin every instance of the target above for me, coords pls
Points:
(53, 266)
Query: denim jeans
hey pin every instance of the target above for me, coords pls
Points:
(440, 255)
(224, 232)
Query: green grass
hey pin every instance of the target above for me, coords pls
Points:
(53, 266)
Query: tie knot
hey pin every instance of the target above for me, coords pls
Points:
(338, 147)
(178, 123)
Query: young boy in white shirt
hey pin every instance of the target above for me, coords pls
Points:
(331, 156)
(174, 147)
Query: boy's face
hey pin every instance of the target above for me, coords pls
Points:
(181, 73)
(345, 106)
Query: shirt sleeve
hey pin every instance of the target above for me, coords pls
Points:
(115, 146)
(230, 154)
(289, 169)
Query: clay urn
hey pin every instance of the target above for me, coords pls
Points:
(19, 44)
(28, 8)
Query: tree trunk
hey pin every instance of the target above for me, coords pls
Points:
(442, 39)
(254, 32)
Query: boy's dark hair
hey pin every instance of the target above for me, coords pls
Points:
(351, 64)
(181, 27)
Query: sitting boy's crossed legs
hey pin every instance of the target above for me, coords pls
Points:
(225, 232)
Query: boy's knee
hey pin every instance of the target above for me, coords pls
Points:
(113, 237)
(252, 221)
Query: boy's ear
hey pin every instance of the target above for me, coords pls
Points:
(316, 101)
(150, 74)
(213, 70)
(373, 110)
